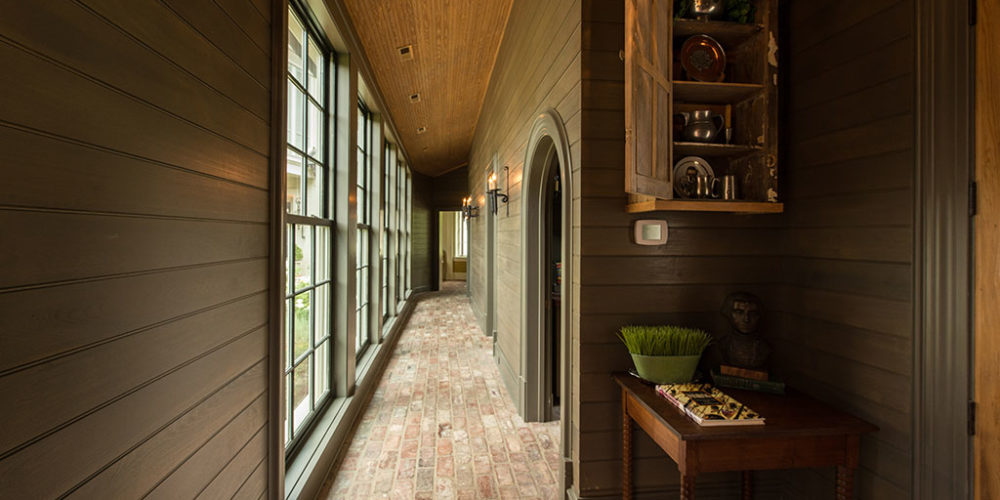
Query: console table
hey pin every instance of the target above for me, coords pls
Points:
(799, 432)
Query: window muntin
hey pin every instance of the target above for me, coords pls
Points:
(308, 235)
(364, 230)
(384, 234)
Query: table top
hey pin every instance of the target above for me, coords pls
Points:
(791, 415)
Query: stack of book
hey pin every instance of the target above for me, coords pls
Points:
(709, 406)
(743, 378)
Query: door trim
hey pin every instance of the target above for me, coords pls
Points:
(942, 234)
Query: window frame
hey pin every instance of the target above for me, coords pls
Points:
(312, 35)
(364, 229)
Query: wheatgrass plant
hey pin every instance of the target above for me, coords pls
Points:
(664, 340)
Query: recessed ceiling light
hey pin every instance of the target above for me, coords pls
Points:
(406, 52)
(421, 130)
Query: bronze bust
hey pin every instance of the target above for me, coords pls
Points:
(744, 347)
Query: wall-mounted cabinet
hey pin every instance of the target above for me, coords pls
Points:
(701, 98)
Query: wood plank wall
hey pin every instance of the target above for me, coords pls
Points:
(843, 314)
(134, 208)
(537, 68)
(422, 226)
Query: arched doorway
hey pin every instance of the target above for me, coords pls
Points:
(546, 240)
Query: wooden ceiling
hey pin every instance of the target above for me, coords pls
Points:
(455, 44)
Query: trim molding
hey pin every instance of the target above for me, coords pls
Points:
(942, 312)
(275, 261)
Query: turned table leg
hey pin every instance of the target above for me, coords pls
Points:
(747, 485)
(845, 483)
(626, 450)
(687, 486)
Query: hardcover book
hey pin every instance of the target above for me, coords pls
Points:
(709, 406)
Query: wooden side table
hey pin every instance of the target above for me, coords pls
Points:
(800, 432)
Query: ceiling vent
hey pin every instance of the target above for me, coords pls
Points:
(415, 98)
(421, 130)
(406, 52)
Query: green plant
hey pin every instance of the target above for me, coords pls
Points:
(664, 340)
(740, 11)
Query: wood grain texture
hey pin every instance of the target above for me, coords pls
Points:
(135, 202)
(454, 48)
(986, 443)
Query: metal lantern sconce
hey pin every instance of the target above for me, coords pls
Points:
(468, 209)
(494, 193)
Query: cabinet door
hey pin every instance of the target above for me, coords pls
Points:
(648, 163)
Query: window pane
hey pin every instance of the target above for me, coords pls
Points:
(293, 183)
(322, 329)
(322, 369)
(289, 280)
(288, 417)
(315, 131)
(317, 68)
(323, 254)
(289, 330)
(296, 116)
(303, 256)
(314, 186)
(300, 394)
(300, 340)
(296, 46)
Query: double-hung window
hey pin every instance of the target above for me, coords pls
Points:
(364, 207)
(461, 235)
(384, 239)
(308, 233)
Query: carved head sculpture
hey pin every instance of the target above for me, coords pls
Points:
(743, 311)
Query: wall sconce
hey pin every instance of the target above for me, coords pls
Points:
(468, 209)
(494, 192)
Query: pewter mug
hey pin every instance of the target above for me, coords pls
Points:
(705, 186)
(702, 125)
(729, 187)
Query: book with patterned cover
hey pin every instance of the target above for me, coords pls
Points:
(709, 406)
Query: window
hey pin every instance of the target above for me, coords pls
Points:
(461, 235)
(309, 245)
(408, 206)
(400, 226)
(364, 227)
(384, 240)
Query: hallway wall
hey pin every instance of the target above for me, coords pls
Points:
(538, 68)
(842, 320)
(134, 205)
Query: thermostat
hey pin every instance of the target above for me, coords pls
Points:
(650, 232)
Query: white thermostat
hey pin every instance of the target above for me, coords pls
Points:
(650, 232)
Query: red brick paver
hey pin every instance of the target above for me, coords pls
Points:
(441, 424)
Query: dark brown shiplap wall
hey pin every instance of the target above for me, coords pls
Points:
(842, 319)
(422, 227)
(134, 208)
(450, 189)
(537, 68)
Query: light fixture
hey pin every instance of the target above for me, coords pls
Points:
(468, 209)
(494, 193)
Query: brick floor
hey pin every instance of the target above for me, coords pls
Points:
(441, 424)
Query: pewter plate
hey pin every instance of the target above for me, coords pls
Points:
(686, 172)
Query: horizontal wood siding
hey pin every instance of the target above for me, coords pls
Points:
(538, 68)
(842, 320)
(134, 208)
(422, 227)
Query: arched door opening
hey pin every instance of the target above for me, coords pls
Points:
(546, 281)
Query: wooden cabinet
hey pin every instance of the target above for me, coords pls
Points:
(657, 89)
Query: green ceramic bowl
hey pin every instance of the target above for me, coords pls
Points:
(666, 369)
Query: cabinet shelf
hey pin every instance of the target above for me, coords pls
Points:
(744, 207)
(728, 34)
(711, 149)
(714, 93)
